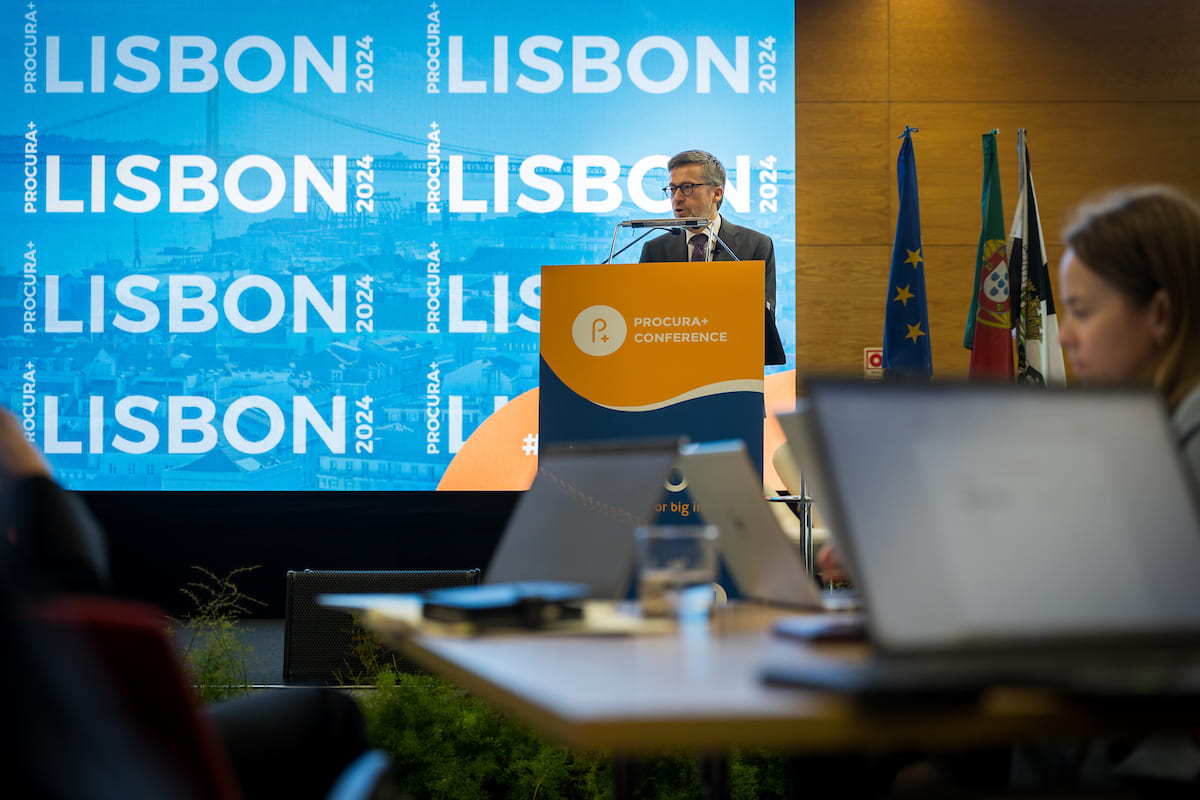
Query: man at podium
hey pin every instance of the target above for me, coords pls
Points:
(696, 190)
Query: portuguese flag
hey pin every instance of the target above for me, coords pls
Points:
(989, 332)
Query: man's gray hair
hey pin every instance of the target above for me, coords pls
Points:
(712, 171)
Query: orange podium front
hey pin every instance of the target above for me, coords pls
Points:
(661, 349)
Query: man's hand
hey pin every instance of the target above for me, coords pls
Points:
(831, 564)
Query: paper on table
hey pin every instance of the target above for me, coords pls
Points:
(401, 614)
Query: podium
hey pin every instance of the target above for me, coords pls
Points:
(659, 349)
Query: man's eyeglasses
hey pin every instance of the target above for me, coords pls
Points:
(686, 188)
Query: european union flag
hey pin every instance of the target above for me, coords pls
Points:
(906, 322)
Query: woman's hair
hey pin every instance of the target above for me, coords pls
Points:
(1140, 240)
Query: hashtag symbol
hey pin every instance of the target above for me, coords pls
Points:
(531, 444)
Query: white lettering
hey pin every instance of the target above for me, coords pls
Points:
(584, 184)
(457, 323)
(605, 63)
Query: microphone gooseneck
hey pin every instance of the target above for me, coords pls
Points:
(612, 255)
(717, 239)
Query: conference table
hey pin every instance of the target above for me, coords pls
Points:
(699, 688)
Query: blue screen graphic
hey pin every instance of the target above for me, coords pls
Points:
(298, 245)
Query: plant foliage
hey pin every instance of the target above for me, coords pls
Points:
(448, 745)
(213, 654)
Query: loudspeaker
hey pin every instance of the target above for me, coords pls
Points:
(326, 645)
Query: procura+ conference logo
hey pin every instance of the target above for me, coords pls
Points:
(599, 330)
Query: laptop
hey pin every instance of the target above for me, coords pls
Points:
(1005, 534)
(576, 522)
(764, 562)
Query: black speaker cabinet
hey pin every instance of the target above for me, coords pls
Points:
(325, 645)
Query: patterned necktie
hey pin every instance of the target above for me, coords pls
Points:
(700, 247)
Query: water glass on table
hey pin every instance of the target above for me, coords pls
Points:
(676, 565)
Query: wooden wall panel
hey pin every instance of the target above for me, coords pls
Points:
(1075, 149)
(843, 189)
(1106, 89)
(949, 280)
(840, 295)
(1044, 50)
(841, 50)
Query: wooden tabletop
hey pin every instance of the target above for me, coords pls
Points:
(700, 689)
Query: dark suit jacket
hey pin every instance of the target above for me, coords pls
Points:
(747, 245)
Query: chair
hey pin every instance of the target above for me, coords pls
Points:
(127, 642)
(99, 705)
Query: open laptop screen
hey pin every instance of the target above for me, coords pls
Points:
(576, 522)
(986, 514)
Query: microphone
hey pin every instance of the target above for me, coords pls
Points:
(670, 222)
